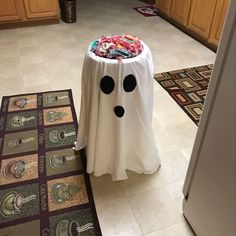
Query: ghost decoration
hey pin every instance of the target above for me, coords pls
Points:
(115, 125)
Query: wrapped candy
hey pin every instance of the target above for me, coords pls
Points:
(117, 47)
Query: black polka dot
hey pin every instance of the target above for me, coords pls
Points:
(129, 83)
(107, 84)
(119, 111)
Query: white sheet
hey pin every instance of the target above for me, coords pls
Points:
(115, 144)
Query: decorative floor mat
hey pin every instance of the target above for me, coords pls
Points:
(147, 11)
(188, 87)
(45, 189)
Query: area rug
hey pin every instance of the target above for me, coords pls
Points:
(147, 11)
(188, 87)
(44, 186)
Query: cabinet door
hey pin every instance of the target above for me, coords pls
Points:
(179, 11)
(218, 21)
(41, 8)
(201, 16)
(10, 10)
(163, 6)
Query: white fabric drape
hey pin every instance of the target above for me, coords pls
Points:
(115, 144)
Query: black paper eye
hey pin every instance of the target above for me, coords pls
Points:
(129, 83)
(107, 84)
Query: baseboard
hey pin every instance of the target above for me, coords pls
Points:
(11, 25)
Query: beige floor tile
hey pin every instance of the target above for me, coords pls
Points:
(181, 229)
(171, 115)
(154, 210)
(174, 167)
(33, 69)
(39, 88)
(163, 142)
(187, 150)
(138, 183)
(8, 36)
(10, 83)
(9, 49)
(71, 52)
(116, 218)
(65, 38)
(30, 55)
(9, 67)
(198, 48)
(11, 91)
(50, 66)
(76, 61)
(34, 75)
(175, 192)
(27, 40)
(104, 189)
(52, 54)
(45, 34)
(61, 79)
(36, 81)
(177, 136)
(25, 30)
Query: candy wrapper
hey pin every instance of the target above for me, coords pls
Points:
(117, 47)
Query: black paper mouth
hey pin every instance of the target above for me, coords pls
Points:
(119, 111)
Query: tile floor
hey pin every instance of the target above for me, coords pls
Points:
(50, 58)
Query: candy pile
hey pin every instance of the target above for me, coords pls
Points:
(117, 47)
